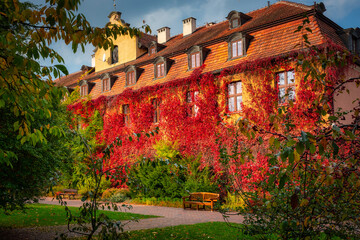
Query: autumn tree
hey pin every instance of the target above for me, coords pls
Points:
(27, 94)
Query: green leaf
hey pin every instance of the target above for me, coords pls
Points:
(283, 180)
(300, 148)
(62, 68)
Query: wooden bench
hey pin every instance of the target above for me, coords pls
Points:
(201, 199)
(69, 192)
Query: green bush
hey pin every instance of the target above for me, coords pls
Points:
(233, 202)
(115, 194)
(170, 175)
(157, 178)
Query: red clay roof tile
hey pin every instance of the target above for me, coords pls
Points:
(268, 40)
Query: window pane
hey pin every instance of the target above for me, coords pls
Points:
(231, 104)
(162, 69)
(188, 97)
(238, 87)
(291, 93)
(291, 77)
(235, 22)
(239, 46)
(281, 77)
(234, 49)
(282, 95)
(196, 93)
(231, 89)
(197, 59)
(193, 64)
(238, 103)
(196, 110)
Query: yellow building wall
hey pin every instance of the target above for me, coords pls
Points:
(128, 49)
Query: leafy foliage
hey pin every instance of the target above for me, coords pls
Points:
(26, 31)
(309, 184)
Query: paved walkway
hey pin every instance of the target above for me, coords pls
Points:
(168, 217)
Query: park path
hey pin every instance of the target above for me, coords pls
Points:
(168, 217)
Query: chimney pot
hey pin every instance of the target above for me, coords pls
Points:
(189, 26)
(163, 35)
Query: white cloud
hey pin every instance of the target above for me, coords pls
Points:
(338, 9)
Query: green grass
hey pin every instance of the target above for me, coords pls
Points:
(210, 230)
(51, 215)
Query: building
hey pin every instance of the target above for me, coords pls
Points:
(246, 63)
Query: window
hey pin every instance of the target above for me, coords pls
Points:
(234, 96)
(160, 70)
(286, 84)
(190, 99)
(236, 49)
(236, 18)
(115, 55)
(83, 90)
(156, 104)
(195, 60)
(152, 50)
(235, 22)
(238, 43)
(196, 56)
(130, 78)
(126, 112)
(105, 85)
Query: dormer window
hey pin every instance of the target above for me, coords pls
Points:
(161, 67)
(235, 22)
(236, 48)
(237, 45)
(130, 78)
(84, 90)
(196, 55)
(160, 70)
(237, 19)
(132, 74)
(115, 55)
(155, 47)
(106, 82)
(152, 50)
(105, 85)
(85, 87)
(195, 60)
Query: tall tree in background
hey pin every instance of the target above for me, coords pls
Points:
(28, 98)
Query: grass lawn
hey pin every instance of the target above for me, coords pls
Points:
(211, 230)
(51, 215)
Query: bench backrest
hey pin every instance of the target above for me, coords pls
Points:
(70, 190)
(203, 196)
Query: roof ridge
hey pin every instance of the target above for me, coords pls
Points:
(294, 4)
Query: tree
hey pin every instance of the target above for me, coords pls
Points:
(27, 93)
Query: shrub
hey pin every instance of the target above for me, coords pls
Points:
(157, 178)
(110, 193)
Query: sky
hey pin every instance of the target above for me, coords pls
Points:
(170, 13)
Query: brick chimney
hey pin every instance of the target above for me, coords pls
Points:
(189, 26)
(163, 35)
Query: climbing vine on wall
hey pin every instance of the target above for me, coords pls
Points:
(198, 134)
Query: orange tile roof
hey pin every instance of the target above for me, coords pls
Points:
(272, 29)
